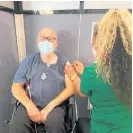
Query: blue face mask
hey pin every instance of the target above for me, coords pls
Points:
(45, 47)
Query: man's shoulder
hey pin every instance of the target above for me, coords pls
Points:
(63, 59)
(32, 57)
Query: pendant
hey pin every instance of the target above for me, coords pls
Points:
(44, 76)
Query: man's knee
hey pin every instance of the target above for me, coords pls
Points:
(55, 125)
(20, 122)
(57, 115)
(55, 121)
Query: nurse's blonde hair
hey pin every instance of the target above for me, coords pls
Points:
(96, 26)
(114, 50)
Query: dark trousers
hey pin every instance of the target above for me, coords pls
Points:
(21, 123)
(83, 125)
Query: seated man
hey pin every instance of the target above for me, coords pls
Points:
(49, 88)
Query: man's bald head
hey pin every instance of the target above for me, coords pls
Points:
(47, 32)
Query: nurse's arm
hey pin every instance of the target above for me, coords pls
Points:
(76, 83)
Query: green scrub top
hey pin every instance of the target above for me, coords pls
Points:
(108, 115)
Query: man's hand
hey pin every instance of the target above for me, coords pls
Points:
(46, 111)
(79, 67)
(33, 112)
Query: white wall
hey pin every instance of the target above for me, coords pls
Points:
(64, 5)
(107, 4)
(50, 5)
(8, 4)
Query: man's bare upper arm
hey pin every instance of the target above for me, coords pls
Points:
(17, 86)
(67, 80)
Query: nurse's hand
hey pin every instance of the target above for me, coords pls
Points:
(79, 67)
(70, 71)
(33, 112)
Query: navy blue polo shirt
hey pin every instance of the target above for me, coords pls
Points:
(47, 82)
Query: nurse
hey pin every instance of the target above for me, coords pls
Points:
(108, 81)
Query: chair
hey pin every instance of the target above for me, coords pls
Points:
(70, 118)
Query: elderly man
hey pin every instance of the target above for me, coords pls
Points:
(49, 86)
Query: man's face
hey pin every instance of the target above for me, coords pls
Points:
(48, 35)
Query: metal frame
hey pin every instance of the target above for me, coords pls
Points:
(6, 9)
(18, 9)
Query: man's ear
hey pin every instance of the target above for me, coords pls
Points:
(57, 41)
(56, 44)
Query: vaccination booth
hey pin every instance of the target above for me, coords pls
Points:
(20, 22)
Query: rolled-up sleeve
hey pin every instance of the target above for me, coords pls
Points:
(20, 76)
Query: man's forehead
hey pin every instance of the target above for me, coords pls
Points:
(47, 32)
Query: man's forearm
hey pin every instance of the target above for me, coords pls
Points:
(64, 95)
(20, 94)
